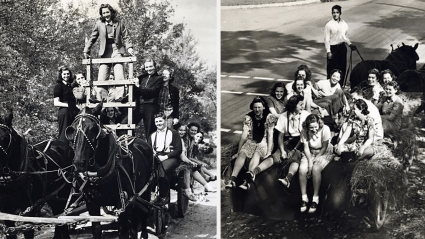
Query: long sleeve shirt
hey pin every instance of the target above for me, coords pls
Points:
(336, 33)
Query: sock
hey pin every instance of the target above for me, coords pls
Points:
(289, 176)
(304, 197)
(233, 178)
(256, 170)
(315, 199)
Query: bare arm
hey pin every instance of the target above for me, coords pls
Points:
(57, 103)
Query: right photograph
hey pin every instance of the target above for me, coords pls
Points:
(322, 119)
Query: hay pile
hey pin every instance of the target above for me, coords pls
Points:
(382, 173)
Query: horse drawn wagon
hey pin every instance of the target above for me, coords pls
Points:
(372, 186)
(96, 169)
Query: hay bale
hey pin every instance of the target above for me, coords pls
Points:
(383, 174)
(227, 152)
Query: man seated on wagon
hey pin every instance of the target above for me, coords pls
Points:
(167, 146)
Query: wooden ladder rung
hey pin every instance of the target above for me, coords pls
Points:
(110, 60)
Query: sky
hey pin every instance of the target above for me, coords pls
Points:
(200, 17)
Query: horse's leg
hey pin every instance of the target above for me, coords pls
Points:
(94, 210)
(123, 228)
(10, 224)
(144, 220)
(29, 234)
(61, 232)
(135, 217)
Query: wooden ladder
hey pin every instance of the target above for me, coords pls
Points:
(130, 104)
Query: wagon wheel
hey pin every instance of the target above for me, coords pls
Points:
(182, 201)
(379, 210)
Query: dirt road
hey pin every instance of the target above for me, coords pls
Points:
(200, 221)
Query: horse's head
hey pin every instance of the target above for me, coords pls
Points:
(84, 135)
(408, 53)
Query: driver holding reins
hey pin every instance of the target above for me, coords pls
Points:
(167, 147)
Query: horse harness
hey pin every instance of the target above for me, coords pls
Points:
(114, 165)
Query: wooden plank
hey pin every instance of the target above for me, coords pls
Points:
(108, 218)
(113, 104)
(113, 82)
(17, 218)
(121, 126)
(110, 60)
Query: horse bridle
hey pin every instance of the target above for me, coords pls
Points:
(79, 128)
(9, 131)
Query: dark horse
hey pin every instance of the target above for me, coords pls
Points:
(110, 173)
(31, 175)
(401, 59)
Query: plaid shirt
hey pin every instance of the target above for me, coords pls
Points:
(164, 98)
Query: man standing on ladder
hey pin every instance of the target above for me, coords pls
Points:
(335, 40)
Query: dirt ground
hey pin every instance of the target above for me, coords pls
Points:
(200, 220)
(405, 222)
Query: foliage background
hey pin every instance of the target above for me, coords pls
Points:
(36, 37)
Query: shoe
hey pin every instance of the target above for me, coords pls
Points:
(303, 206)
(245, 185)
(213, 178)
(285, 181)
(190, 196)
(208, 189)
(250, 177)
(162, 201)
(313, 207)
(230, 184)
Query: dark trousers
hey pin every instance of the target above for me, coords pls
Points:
(166, 168)
(145, 112)
(64, 120)
(338, 61)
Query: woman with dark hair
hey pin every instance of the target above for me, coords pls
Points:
(391, 108)
(300, 87)
(256, 141)
(387, 76)
(331, 96)
(304, 72)
(362, 126)
(113, 37)
(276, 100)
(169, 99)
(289, 126)
(65, 100)
(316, 137)
(373, 91)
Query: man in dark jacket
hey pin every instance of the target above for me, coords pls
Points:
(147, 94)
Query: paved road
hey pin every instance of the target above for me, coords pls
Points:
(261, 46)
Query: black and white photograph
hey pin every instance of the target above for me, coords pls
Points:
(322, 118)
(108, 119)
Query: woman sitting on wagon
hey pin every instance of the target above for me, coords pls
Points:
(373, 91)
(289, 126)
(391, 108)
(316, 137)
(276, 100)
(363, 128)
(387, 76)
(331, 96)
(300, 87)
(256, 141)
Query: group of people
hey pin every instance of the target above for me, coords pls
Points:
(308, 124)
(157, 103)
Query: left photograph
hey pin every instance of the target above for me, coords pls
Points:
(108, 119)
